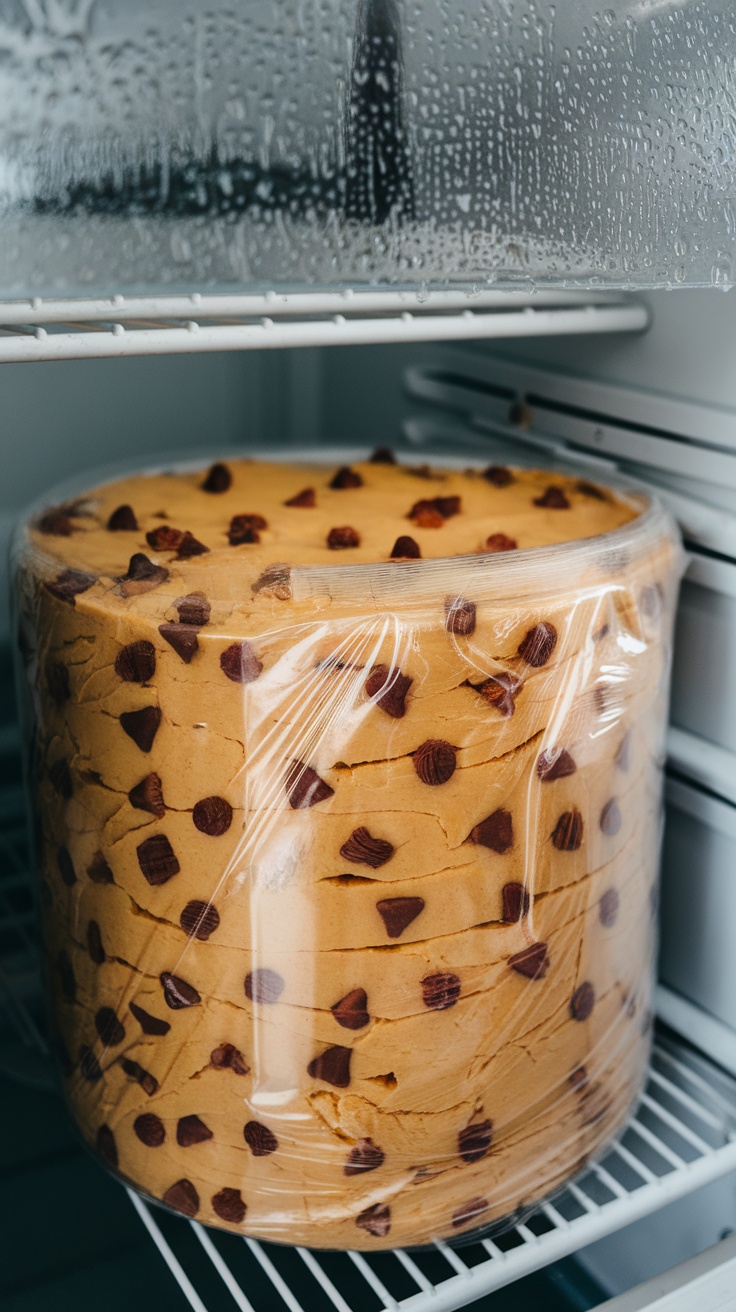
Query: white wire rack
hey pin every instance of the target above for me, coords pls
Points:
(39, 329)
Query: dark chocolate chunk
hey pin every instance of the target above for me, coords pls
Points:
(608, 908)
(474, 1142)
(150, 1129)
(553, 499)
(338, 539)
(582, 1001)
(94, 943)
(136, 662)
(66, 976)
(245, 529)
(182, 1197)
(157, 860)
(579, 1078)
(141, 726)
(177, 993)
(405, 548)
(191, 1130)
(199, 919)
(426, 515)
(260, 1139)
(228, 1057)
(263, 985)
(57, 682)
(567, 834)
(228, 1204)
(240, 663)
(448, 506)
(532, 961)
(148, 796)
(218, 479)
(555, 763)
(376, 1220)
(389, 688)
(194, 609)
(537, 645)
(142, 576)
(435, 761)
(440, 991)
(109, 1028)
(365, 1156)
(610, 818)
(89, 1067)
(148, 1082)
(306, 499)
(500, 542)
(66, 867)
(304, 787)
(500, 691)
(622, 758)
(213, 816)
(68, 585)
(165, 538)
(183, 638)
(362, 849)
(498, 475)
(459, 616)
(495, 832)
(470, 1211)
(61, 779)
(398, 912)
(352, 1011)
(56, 523)
(99, 871)
(275, 581)
(515, 902)
(123, 520)
(332, 1066)
(148, 1023)
(587, 489)
(190, 546)
(383, 455)
(106, 1146)
(346, 477)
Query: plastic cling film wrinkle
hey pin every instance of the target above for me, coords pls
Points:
(348, 871)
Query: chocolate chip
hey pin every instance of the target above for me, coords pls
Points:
(99, 871)
(263, 985)
(148, 1082)
(515, 902)
(141, 726)
(553, 499)
(213, 816)
(362, 849)
(376, 1220)
(150, 1129)
(500, 542)
(532, 961)
(398, 912)
(218, 479)
(227, 1057)
(469, 1211)
(89, 1066)
(245, 529)
(177, 993)
(555, 763)
(338, 539)
(610, 818)
(579, 1078)
(66, 976)
(474, 1142)
(405, 548)
(191, 1130)
(498, 475)
(56, 523)
(148, 796)
(148, 1023)
(587, 489)
(94, 943)
(448, 506)
(109, 1028)
(106, 1146)
(61, 779)
(307, 499)
(459, 616)
(567, 834)
(435, 762)
(538, 644)
(68, 585)
(182, 1197)
(365, 1156)
(194, 609)
(582, 1001)
(165, 538)
(425, 515)
(260, 1139)
(440, 991)
(183, 638)
(346, 477)
(388, 687)
(495, 832)
(199, 919)
(332, 1066)
(57, 682)
(190, 546)
(157, 860)
(500, 691)
(304, 787)
(352, 1011)
(623, 754)
(382, 455)
(66, 868)
(142, 576)
(240, 663)
(608, 908)
(136, 662)
(123, 520)
(275, 581)
(229, 1206)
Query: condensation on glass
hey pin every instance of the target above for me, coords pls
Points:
(362, 142)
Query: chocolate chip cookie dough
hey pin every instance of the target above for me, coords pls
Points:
(348, 795)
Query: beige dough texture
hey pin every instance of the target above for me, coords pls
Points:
(348, 800)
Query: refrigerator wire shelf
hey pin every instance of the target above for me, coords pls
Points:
(39, 329)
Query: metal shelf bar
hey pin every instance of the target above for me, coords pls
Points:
(683, 1130)
(658, 1145)
(274, 1276)
(222, 1269)
(377, 1285)
(172, 1262)
(323, 1279)
(452, 1258)
(685, 1100)
(639, 1167)
(414, 1271)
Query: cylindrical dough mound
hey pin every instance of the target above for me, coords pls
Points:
(349, 874)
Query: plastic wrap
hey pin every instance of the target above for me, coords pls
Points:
(348, 871)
